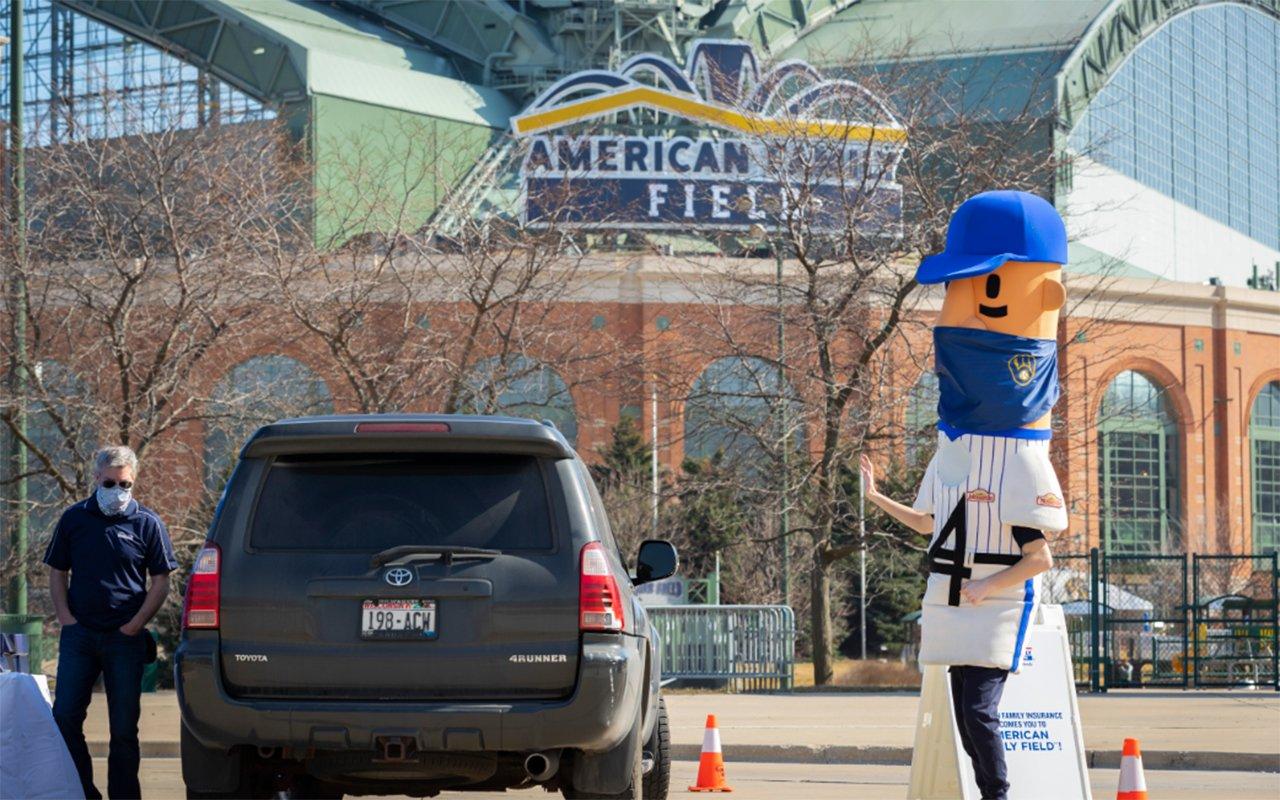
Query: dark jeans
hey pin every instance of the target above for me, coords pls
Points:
(84, 654)
(976, 693)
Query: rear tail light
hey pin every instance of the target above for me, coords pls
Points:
(200, 607)
(599, 602)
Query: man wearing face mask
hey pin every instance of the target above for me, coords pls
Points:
(106, 545)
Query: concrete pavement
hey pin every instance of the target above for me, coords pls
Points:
(1222, 730)
(1178, 730)
(162, 778)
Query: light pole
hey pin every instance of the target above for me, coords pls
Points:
(758, 231)
(653, 452)
(17, 598)
(784, 512)
(862, 563)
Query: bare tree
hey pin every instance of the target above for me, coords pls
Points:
(847, 300)
(137, 280)
(413, 314)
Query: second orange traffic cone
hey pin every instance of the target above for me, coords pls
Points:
(1133, 784)
(711, 764)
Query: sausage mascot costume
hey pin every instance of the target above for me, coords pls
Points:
(990, 489)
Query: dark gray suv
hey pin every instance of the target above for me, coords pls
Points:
(408, 604)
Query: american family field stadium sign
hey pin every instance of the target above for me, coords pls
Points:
(734, 170)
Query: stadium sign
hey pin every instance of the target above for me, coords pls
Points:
(748, 130)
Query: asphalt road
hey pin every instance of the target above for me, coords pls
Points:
(162, 778)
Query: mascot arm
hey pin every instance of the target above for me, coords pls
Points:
(918, 521)
(1036, 559)
(918, 518)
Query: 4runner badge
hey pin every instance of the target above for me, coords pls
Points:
(547, 658)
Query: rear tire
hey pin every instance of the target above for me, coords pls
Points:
(244, 791)
(241, 792)
(307, 788)
(658, 782)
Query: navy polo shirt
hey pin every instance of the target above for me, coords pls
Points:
(108, 558)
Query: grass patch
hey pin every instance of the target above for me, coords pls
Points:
(872, 672)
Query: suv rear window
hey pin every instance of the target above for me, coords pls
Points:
(370, 502)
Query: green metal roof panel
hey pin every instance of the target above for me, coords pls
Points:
(351, 58)
(1085, 260)
(421, 93)
(321, 28)
(933, 28)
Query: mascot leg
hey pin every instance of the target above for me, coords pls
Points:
(976, 693)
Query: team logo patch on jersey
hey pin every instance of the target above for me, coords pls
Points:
(980, 496)
(1050, 500)
(1023, 369)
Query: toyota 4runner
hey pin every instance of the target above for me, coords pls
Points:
(408, 604)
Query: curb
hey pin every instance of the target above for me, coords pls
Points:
(901, 756)
(800, 754)
(150, 749)
(1206, 760)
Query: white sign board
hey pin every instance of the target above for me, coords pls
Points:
(671, 591)
(1039, 723)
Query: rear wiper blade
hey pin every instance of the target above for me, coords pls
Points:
(445, 552)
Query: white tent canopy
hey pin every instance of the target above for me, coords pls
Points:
(1071, 588)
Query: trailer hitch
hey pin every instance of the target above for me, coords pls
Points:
(395, 749)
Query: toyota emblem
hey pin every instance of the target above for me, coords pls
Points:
(398, 576)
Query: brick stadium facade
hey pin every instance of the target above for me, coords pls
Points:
(1177, 471)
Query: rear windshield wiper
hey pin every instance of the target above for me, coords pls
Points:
(447, 553)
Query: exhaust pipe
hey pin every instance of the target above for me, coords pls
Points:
(542, 766)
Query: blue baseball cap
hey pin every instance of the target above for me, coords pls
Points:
(991, 228)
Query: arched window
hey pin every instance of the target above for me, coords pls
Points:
(255, 392)
(734, 410)
(521, 387)
(1139, 467)
(1264, 446)
(921, 432)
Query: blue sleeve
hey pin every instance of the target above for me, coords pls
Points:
(160, 558)
(58, 554)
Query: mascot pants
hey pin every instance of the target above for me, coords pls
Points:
(976, 693)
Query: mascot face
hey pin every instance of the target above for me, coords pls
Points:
(1020, 298)
(995, 343)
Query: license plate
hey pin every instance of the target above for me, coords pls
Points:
(398, 619)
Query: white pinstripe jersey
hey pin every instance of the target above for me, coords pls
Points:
(1010, 482)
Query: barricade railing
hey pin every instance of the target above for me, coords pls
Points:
(749, 648)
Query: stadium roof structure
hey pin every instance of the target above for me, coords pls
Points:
(413, 74)
(929, 29)
(281, 52)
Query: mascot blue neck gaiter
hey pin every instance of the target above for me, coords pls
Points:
(994, 383)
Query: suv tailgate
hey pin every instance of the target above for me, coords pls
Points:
(294, 590)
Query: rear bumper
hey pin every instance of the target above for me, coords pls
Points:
(595, 717)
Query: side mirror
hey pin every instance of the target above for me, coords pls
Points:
(657, 560)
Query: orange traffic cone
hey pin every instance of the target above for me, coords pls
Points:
(711, 764)
(1133, 784)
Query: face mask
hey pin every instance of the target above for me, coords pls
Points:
(994, 383)
(113, 501)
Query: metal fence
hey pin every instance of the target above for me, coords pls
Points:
(747, 648)
(1234, 621)
(1169, 620)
